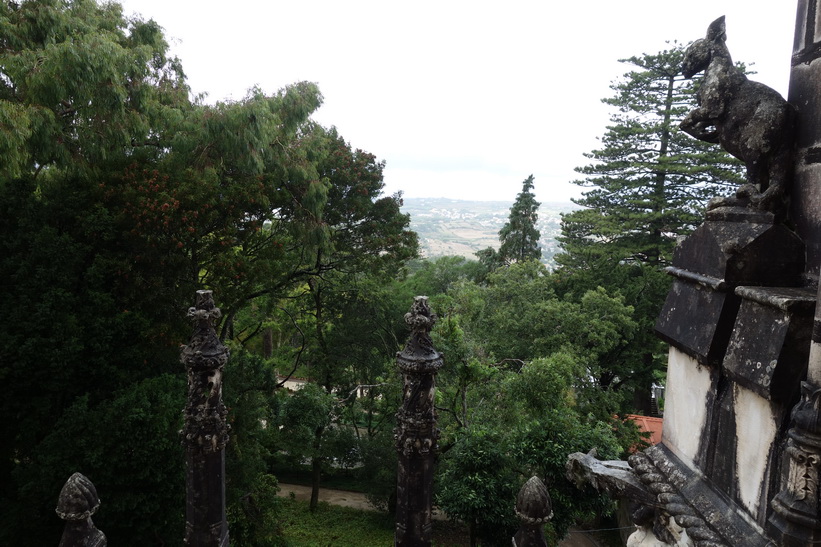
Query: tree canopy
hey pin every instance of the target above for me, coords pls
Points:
(519, 238)
(120, 195)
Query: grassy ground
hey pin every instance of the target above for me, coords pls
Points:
(345, 527)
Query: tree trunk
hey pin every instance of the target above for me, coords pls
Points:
(268, 343)
(316, 469)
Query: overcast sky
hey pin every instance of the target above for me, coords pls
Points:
(462, 99)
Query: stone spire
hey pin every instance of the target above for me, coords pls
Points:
(416, 431)
(205, 432)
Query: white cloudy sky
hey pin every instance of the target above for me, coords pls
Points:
(462, 99)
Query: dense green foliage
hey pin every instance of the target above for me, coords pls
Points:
(519, 393)
(119, 197)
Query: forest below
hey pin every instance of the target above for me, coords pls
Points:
(121, 195)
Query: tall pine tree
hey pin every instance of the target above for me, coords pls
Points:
(649, 181)
(648, 184)
(519, 237)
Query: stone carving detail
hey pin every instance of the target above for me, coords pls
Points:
(673, 504)
(418, 362)
(204, 357)
(534, 510)
(77, 502)
(750, 120)
(796, 507)
(205, 432)
(416, 433)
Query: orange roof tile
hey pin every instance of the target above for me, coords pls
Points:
(649, 424)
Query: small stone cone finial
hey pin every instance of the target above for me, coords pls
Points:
(534, 509)
(78, 498)
(77, 502)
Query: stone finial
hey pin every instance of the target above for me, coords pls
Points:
(77, 502)
(419, 350)
(534, 510)
(205, 356)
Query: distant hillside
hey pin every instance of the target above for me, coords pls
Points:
(462, 227)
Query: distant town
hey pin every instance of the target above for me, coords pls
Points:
(462, 227)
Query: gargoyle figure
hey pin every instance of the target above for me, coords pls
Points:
(750, 120)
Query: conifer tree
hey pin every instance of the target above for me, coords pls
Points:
(648, 184)
(519, 237)
(648, 181)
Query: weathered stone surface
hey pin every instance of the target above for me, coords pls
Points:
(796, 517)
(758, 439)
(717, 457)
(614, 478)
(770, 344)
(688, 413)
(77, 502)
(748, 251)
(706, 514)
(534, 510)
(700, 311)
(697, 319)
(205, 432)
(750, 120)
(805, 89)
(416, 433)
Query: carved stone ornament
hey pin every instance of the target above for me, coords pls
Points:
(416, 433)
(419, 354)
(797, 512)
(418, 362)
(750, 120)
(77, 502)
(204, 357)
(534, 510)
(672, 504)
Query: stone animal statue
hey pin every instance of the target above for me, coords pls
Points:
(750, 120)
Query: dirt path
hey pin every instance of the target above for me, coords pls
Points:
(345, 498)
(357, 500)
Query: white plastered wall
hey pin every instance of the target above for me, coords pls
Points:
(685, 405)
(756, 429)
